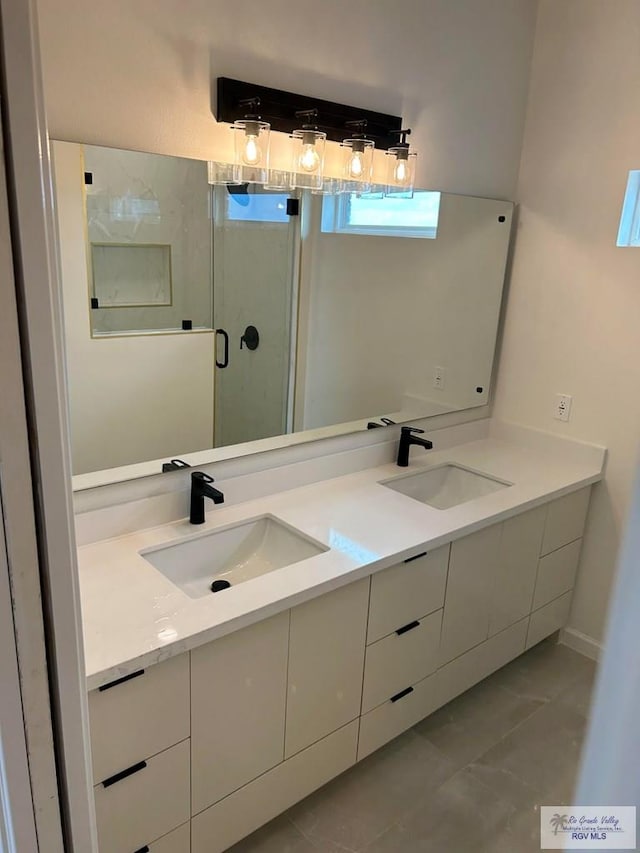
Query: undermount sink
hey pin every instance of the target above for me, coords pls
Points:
(446, 486)
(231, 556)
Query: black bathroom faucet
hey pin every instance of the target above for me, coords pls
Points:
(407, 438)
(200, 489)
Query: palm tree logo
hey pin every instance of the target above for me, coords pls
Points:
(558, 822)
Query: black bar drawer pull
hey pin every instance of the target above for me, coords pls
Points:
(416, 557)
(144, 849)
(408, 627)
(118, 777)
(402, 694)
(121, 680)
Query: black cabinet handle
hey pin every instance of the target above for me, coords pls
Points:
(144, 849)
(118, 777)
(402, 694)
(408, 627)
(121, 680)
(225, 361)
(416, 557)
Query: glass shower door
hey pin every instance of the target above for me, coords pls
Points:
(254, 258)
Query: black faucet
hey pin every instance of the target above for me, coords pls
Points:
(407, 438)
(200, 489)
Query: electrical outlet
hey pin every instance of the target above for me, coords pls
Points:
(563, 407)
(439, 377)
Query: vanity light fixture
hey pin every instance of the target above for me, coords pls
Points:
(358, 158)
(307, 148)
(251, 145)
(283, 110)
(401, 167)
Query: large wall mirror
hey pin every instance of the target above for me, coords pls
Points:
(201, 317)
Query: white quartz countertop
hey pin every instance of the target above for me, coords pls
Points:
(133, 616)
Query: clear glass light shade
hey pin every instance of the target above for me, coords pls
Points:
(401, 170)
(357, 164)
(221, 173)
(251, 144)
(307, 158)
(330, 186)
(278, 179)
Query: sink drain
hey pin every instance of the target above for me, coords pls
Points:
(216, 586)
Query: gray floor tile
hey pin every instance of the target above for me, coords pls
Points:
(471, 724)
(462, 815)
(543, 672)
(358, 806)
(537, 760)
(279, 836)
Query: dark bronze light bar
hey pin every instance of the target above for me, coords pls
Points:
(279, 109)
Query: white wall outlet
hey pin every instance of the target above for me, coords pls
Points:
(439, 377)
(563, 407)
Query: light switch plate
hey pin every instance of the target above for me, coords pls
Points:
(563, 407)
(439, 377)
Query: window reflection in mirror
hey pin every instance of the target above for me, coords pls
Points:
(325, 319)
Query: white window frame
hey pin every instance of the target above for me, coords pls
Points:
(335, 220)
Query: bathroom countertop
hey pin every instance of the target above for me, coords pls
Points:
(133, 616)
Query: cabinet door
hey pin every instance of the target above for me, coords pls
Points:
(565, 520)
(408, 591)
(472, 569)
(238, 695)
(516, 568)
(326, 660)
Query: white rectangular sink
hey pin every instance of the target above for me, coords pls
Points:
(446, 486)
(232, 555)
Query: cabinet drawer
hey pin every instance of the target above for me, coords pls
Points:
(548, 619)
(556, 573)
(178, 841)
(139, 716)
(406, 592)
(392, 718)
(401, 659)
(565, 520)
(145, 805)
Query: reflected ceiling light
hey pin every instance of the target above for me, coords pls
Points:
(401, 167)
(307, 147)
(358, 157)
(251, 145)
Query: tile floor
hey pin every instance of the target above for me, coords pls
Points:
(468, 778)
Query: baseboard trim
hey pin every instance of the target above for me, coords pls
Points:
(580, 642)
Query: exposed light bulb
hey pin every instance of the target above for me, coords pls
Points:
(356, 165)
(252, 153)
(309, 159)
(401, 171)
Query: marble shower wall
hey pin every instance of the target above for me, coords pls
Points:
(150, 200)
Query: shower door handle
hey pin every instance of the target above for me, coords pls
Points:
(225, 361)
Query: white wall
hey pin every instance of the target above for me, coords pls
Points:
(573, 319)
(384, 312)
(128, 396)
(139, 75)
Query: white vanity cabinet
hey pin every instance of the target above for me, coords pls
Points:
(235, 732)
